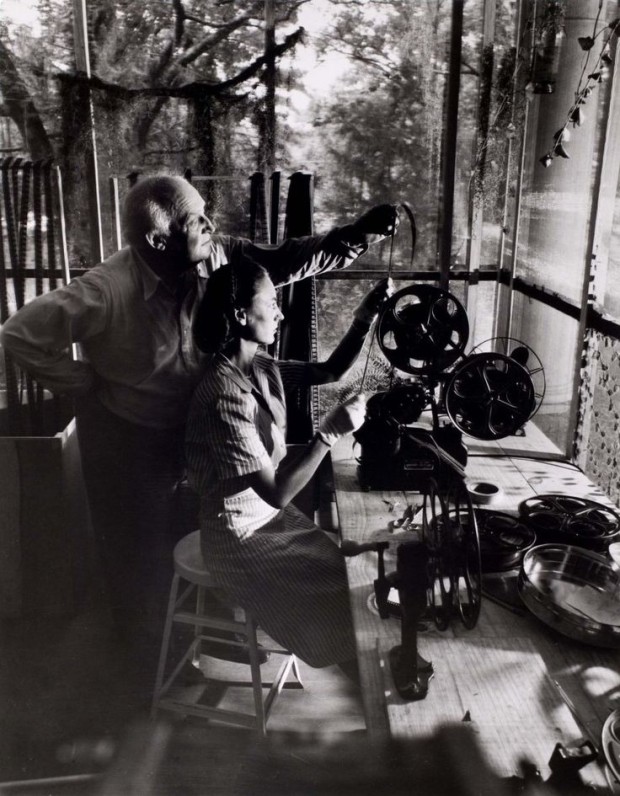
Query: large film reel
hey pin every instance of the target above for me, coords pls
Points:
(524, 355)
(467, 573)
(565, 519)
(504, 540)
(422, 330)
(490, 396)
(450, 531)
(436, 534)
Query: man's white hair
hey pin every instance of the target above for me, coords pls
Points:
(152, 206)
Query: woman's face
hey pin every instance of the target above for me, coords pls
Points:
(263, 315)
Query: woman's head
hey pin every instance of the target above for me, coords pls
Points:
(239, 303)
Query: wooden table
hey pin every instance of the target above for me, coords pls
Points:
(501, 673)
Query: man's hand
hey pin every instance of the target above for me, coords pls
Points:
(376, 224)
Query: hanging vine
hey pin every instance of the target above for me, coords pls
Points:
(585, 86)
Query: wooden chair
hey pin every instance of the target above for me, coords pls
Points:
(187, 606)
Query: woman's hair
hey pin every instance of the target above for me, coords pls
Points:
(229, 287)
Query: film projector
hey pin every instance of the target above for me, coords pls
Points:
(488, 394)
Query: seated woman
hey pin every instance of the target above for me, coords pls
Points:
(261, 550)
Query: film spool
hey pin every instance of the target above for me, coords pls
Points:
(490, 396)
(564, 519)
(524, 355)
(422, 330)
(504, 540)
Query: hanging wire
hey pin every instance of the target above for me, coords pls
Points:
(389, 273)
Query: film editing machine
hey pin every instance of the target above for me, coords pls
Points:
(488, 394)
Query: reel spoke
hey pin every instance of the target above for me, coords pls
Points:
(484, 376)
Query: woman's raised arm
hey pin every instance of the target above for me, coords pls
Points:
(348, 349)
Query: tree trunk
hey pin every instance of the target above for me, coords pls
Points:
(266, 111)
(22, 110)
(204, 131)
(75, 116)
(145, 121)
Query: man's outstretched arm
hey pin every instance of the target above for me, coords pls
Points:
(298, 258)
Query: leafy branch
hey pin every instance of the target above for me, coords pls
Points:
(187, 90)
(596, 76)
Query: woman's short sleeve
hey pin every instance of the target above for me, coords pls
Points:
(236, 445)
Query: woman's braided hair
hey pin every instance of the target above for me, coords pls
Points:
(230, 287)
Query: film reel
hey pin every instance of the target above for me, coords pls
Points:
(403, 404)
(564, 519)
(467, 569)
(450, 530)
(524, 355)
(490, 396)
(435, 531)
(504, 540)
(422, 330)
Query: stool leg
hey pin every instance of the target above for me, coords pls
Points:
(257, 679)
(295, 667)
(200, 610)
(165, 643)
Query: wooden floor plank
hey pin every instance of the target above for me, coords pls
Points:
(506, 693)
(503, 671)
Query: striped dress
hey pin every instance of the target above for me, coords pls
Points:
(278, 564)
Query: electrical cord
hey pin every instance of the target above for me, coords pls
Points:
(565, 464)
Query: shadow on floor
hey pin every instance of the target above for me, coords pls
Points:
(68, 699)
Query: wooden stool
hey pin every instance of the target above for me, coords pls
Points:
(189, 566)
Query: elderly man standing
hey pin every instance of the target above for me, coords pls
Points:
(132, 317)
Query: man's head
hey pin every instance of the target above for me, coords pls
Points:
(164, 219)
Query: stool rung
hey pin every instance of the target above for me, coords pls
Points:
(189, 618)
(228, 642)
(248, 684)
(178, 706)
(232, 643)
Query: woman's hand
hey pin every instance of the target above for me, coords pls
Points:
(370, 305)
(279, 487)
(343, 419)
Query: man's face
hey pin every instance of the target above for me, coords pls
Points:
(191, 235)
